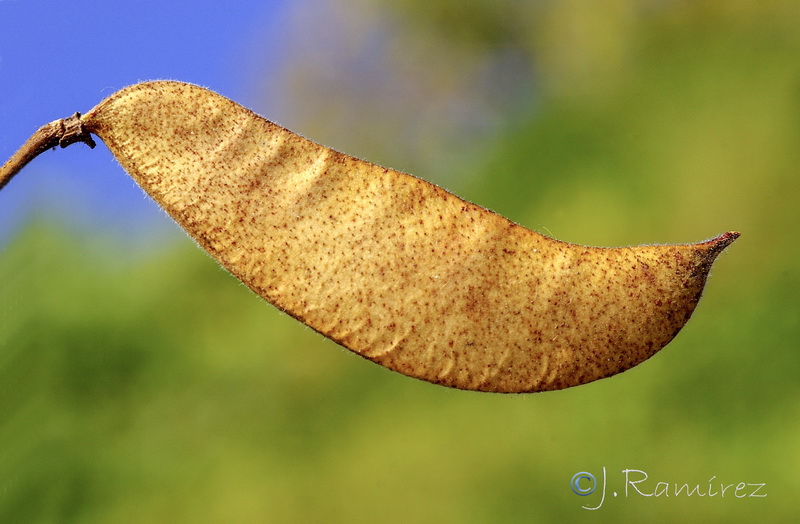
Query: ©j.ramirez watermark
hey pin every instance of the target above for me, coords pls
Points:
(637, 483)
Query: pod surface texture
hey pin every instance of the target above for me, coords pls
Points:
(392, 267)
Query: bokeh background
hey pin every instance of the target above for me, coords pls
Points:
(141, 383)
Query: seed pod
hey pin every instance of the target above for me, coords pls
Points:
(392, 267)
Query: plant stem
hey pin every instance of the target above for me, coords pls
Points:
(62, 132)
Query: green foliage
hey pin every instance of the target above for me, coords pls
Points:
(156, 388)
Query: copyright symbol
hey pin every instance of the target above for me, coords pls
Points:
(575, 483)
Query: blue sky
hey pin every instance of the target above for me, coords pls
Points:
(60, 57)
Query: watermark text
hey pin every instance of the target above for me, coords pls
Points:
(637, 483)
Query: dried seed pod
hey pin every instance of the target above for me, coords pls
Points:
(392, 267)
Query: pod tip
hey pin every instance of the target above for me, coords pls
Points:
(710, 249)
(722, 241)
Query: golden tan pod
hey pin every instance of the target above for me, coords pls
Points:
(392, 267)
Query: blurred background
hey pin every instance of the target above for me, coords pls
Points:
(141, 383)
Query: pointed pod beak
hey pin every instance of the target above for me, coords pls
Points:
(715, 246)
(709, 250)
